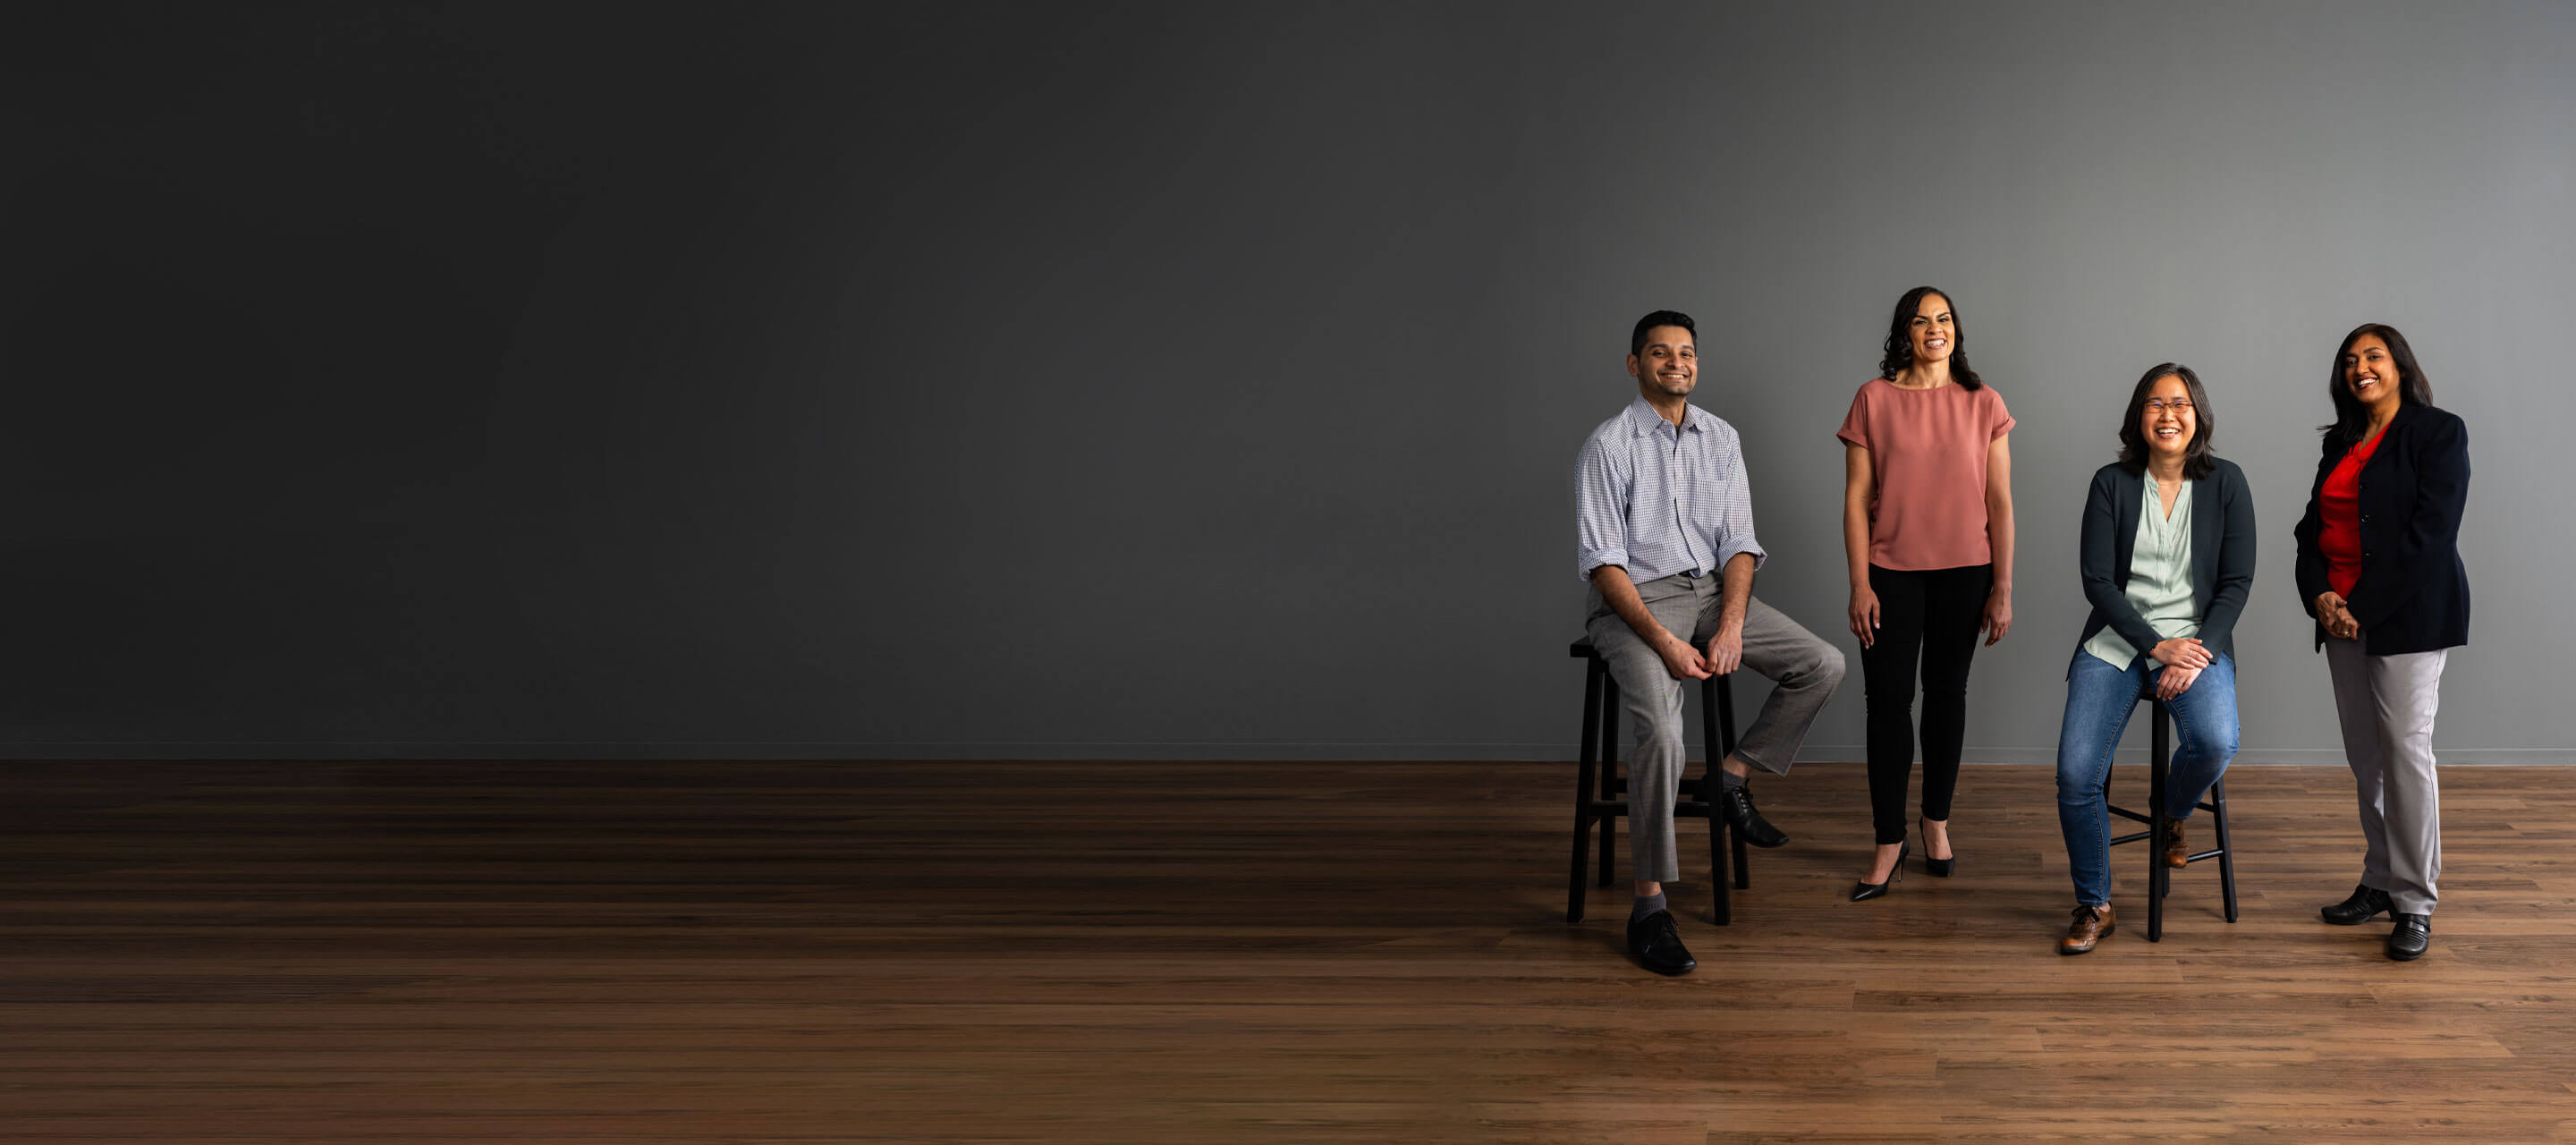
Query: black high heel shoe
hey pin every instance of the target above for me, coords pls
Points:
(1937, 868)
(1863, 892)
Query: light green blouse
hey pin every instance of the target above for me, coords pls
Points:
(2159, 577)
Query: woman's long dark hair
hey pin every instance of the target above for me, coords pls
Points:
(2352, 419)
(2197, 460)
(1899, 352)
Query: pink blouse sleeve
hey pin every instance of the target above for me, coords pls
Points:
(1999, 417)
(1856, 423)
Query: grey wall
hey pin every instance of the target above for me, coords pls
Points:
(824, 380)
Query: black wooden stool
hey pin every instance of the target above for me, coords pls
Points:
(1606, 804)
(2160, 876)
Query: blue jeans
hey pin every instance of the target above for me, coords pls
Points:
(2099, 699)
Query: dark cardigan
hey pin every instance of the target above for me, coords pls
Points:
(2413, 595)
(2222, 554)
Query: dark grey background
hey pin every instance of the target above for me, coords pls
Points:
(1040, 380)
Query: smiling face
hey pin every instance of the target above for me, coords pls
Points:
(1668, 364)
(2168, 420)
(1934, 331)
(2370, 372)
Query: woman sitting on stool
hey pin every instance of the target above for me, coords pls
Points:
(2167, 558)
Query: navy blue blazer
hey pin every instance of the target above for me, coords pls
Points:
(2222, 554)
(2413, 595)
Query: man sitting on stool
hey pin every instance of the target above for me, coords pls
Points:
(1664, 529)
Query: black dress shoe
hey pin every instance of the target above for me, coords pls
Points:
(2413, 936)
(2364, 905)
(1655, 945)
(1937, 868)
(1737, 805)
(1863, 892)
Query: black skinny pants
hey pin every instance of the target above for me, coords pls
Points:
(1933, 614)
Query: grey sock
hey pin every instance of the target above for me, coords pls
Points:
(1646, 905)
(1728, 780)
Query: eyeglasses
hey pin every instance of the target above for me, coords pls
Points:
(2160, 405)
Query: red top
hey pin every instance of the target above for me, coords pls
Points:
(2341, 537)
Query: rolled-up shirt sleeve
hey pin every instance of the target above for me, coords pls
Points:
(1600, 511)
(1735, 524)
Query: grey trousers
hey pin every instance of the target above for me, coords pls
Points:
(2386, 705)
(1805, 668)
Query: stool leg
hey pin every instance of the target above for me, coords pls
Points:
(2226, 854)
(2159, 878)
(1717, 833)
(1609, 771)
(1710, 787)
(1726, 736)
(1586, 756)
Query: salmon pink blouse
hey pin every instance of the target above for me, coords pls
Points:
(1928, 451)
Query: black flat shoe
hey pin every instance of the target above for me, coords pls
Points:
(1863, 892)
(1737, 805)
(2364, 905)
(1937, 868)
(2413, 936)
(1657, 946)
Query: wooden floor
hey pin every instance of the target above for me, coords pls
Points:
(765, 952)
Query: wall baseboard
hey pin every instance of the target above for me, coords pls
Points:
(1156, 751)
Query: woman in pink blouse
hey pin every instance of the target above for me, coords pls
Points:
(1928, 533)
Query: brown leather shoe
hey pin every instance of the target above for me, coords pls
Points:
(2177, 854)
(2091, 923)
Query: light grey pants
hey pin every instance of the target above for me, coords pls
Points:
(2386, 704)
(1806, 670)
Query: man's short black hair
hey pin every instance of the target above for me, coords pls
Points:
(1637, 340)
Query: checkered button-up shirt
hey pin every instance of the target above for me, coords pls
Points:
(1657, 501)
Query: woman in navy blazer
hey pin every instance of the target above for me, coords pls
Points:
(2167, 561)
(2379, 569)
